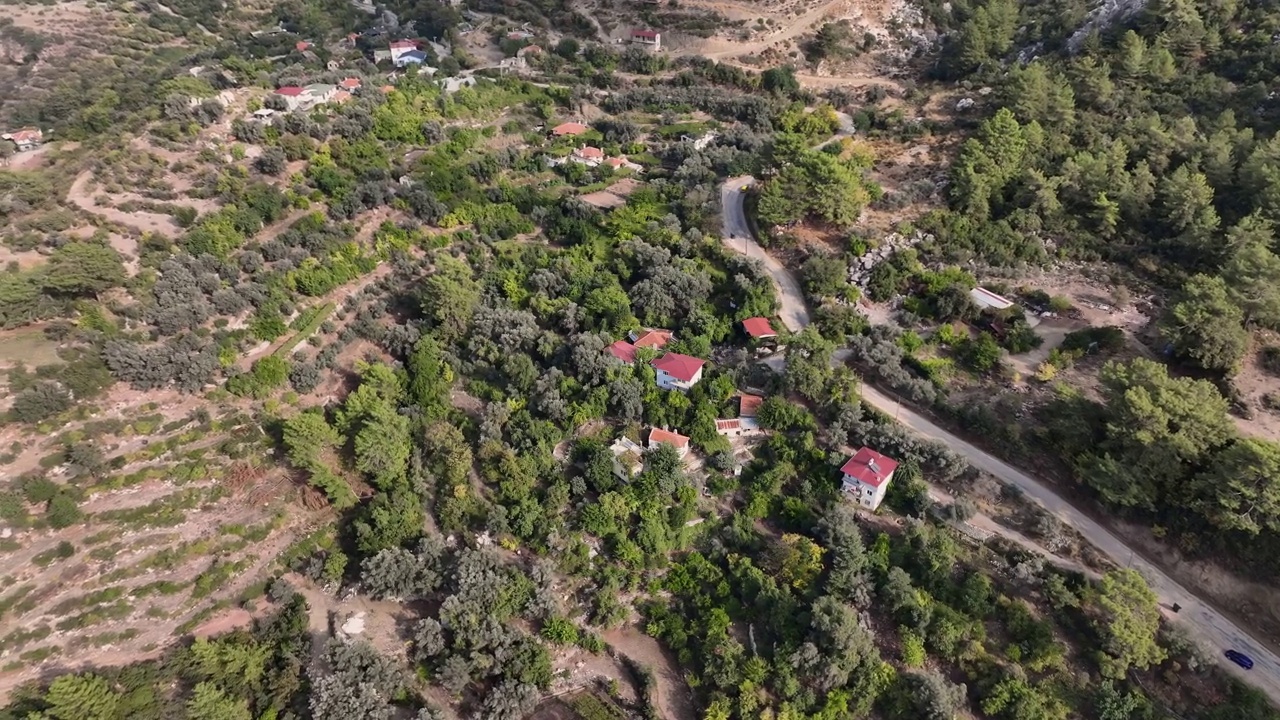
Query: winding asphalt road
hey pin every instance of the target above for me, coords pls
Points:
(1212, 631)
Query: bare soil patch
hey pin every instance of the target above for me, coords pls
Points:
(674, 699)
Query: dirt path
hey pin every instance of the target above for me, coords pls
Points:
(717, 49)
(82, 196)
(674, 699)
(1211, 628)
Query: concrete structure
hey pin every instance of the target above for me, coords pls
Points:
(988, 300)
(320, 93)
(758, 328)
(506, 66)
(627, 458)
(674, 439)
(866, 477)
(678, 372)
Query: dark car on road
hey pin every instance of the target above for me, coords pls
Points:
(1240, 659)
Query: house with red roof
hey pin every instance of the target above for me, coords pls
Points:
(27, 138)
(588, 155)
(758, 328)
(620, 162)
(569, 129)
(302, 46)
(647, 37)
(737, 427)
(350, 84)
(401, 47)
(674, 439)
(749, 405)
(651, 338)
(623, 350)
(294, 96)
(866, 477)
(678, 372)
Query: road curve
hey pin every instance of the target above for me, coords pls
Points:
(1211, 630)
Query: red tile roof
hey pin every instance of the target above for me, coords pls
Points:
(290, 91)
(647, 34)
(26, 134)
(680, 367)
(350, 83)
(731, 424)
(653, 338)
(869, 467)
(302, 45)
(590, 152)
(758, 327)
(623, 350)
(676, 440)
(749, 405)
(404, 45)
(569, 128)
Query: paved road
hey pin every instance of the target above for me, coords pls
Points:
(1211, 630)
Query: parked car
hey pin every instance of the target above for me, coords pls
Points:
(1240, 659)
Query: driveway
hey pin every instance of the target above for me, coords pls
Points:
(1211, 630)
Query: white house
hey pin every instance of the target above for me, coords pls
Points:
(678, 372)
(294, 96)
(867, 476)
(626, 458)
(659, 436)
(647, 37)
(400, 47)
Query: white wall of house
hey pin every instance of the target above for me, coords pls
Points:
(866, 495)
(666, 381)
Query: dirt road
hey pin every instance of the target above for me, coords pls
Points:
(1211, 629)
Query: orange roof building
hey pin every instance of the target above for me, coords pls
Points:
(569, 129)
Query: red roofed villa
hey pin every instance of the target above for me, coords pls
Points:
(349, 83)
(749, 405)
(589, 153)
(290, 91)
(867, 476)
(758, 328)
(656, 339)
(569, 129)
(623, 350)
(678, 372)
(674, 439)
